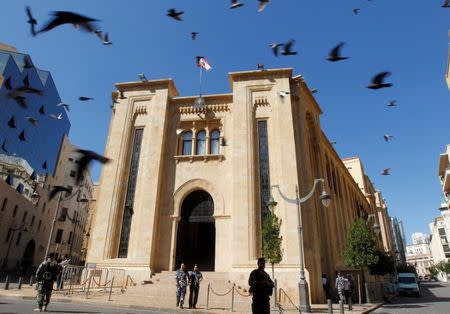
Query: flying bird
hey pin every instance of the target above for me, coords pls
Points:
(335, 53)
(283, 94)
(287, 48)
(32, 21)
(260, 66)
(275, 47)
(44, 165)
(22, 136)
(385, 172)
(262, 5)
(42, 110)
(33, 121)
(356, 11)
(142, 77)
(174, 14)
(194, 35)
(333, 142)
(392, 103)
(56, 117)
(62, 104)
(236, 4)
(20, 91)
(87, 157)
(66, 17)
(4, 146)
(84, 98)
(58, 188)
(378, 81)
(105, 40)
(387, 137)
(12, 123)
(7, 83)
(446, 4)
(314, 90)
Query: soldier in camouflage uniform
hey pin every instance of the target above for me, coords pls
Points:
(181, 278)
(46, 275)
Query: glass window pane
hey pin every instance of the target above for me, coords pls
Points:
(201, 143)
(215, 136)
(187, 143)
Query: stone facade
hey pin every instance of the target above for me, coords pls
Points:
(419, 254)
(164, 192)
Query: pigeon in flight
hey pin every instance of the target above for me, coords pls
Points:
(84, 98)
(7, 83)
(333, 142)
(387, 137)
(287, 48)
(31, 20)
(446, 4)
(356, 11)
(392, 103)
(58, 188)
(194, 35)
(105, 40)
(62, 104)
(174, 14)
(33, 121)
(142, 77)
(385, 172)
(87, 157)
(17, 94)
(260, 66)
(42, 110)
(12, 123)
(22, 136)
(66, 17)
(262, 5)
(378, 81)
(236, 4)
(314, 91)
(275, 47)
(56, 117)
(283, 94)
(44, 165)
(4, 146)
(335, 53)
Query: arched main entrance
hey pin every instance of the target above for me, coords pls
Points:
(196, 236)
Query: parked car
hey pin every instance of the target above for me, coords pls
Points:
(408, 284)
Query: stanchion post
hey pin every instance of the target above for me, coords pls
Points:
(89, 287)
(207, 297)
(341, 307)
(275, 286)
(31, 281)
(330, 306)
(232, 298)
(366, 285)
(350, 303)
(7, 283)
(19, 284)
(110, 289)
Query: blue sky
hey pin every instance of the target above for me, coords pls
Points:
(408, 38)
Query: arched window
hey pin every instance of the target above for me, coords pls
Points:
(187, 143)
(215, 136)
(201, 143)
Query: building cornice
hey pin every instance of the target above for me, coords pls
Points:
(138, 85)
(258, 74)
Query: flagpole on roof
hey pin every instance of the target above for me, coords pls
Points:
(200, 83)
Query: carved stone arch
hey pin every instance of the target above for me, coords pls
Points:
(198, 184)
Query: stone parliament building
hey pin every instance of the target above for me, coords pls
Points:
(191, 183)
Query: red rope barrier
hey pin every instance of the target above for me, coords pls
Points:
(243, 295)
(100, 285)
(221, 295)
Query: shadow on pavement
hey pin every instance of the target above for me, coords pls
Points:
(403, 306)
(65, 311)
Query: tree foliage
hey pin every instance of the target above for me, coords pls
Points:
(272, 239)
(406, 268)
(385, 265)
(361, 247)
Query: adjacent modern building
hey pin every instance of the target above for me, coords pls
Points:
(191, 182)
(419, 254)
(447, 75)
(399, 240)
(439, 244)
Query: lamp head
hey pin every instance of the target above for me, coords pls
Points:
(377, 229)
(199, 103)
(325, 198)
(271, 203)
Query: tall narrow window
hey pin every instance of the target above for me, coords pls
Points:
(129, 198)
(187, 143)
(59, 234)
(264, 175)
(201, 143)
(15, 211)
(215, 137)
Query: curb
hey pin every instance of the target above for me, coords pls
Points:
(373, 308)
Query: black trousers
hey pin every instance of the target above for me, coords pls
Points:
(261, 306)
(193, 295)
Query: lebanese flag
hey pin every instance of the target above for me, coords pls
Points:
(202, 63)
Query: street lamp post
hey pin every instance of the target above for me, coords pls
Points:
(376, 226)
(325, 199)
(13, 231)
